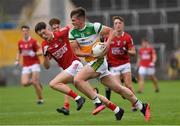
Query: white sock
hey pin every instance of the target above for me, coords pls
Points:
(41, 100)
(78, 97)
(116, 110)
(96, 100)
(139, 105)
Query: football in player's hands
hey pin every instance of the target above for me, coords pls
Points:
(98, 49)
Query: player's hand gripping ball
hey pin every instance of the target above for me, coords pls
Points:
(98, 49)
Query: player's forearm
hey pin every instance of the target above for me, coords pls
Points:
(132, 52)
(110, 37)
(154, 58)
(18, 56)
(81, 54)
(46, 63)
(138, 62)
(39, 52)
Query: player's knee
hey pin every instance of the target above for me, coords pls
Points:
(35, 82)
(129, 86)
(25, 83)
(77, 82)
(52, 84)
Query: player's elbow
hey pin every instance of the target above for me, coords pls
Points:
(132, 53)
(46, 66)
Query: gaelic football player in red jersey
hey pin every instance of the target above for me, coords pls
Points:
(120, 50)
(56, 45)
(146, 62)
(55, 26)
(28, 49)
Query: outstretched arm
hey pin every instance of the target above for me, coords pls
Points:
(46, 62)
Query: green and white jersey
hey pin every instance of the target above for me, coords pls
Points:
(86, 37)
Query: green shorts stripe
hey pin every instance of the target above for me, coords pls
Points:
(97, 63)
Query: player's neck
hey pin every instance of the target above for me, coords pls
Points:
(26, 38)
(51, 38)
(119, 33)
(82, 26)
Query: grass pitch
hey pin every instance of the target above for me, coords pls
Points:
(18, 107)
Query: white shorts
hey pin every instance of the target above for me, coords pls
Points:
(146, 71)
(100, 66)
(74, 67)
(30, 69)
(120, 69)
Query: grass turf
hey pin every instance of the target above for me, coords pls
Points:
(18, 107)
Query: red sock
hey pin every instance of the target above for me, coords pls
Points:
(112, 106)
(66, 105)
(72, 94)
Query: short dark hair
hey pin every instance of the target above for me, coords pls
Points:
(25, 26)
(39, 26)
(145, 40)
(118, 17)
(79, 12)
(54, 21)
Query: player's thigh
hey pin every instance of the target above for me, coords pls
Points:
(35, 77)
(111, 82)
(25, 78)
(150, 71)
(62, 77)
(127, 78)
(35, 68)
(87, 72)
(117, 78)
(25, 75)
(142, 71)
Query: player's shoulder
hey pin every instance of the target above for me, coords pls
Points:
(90, 24)
(66, 28)
(140, 49)
(33, 40)
(72, 30)
(20, 41)
(93, 25)
(44, 43)
(151, 48)
(127, 35)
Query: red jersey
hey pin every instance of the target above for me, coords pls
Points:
(25, 47)
(60, 49)
(117, 54)
(146, 56)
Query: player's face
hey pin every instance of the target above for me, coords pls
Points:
(76, 22)
(55, 27)
(45, 34)
(25, 32)
(118, 25)
(144, 44)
